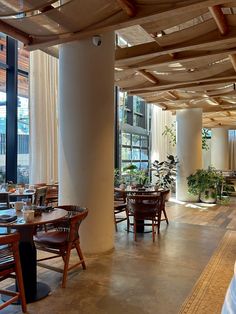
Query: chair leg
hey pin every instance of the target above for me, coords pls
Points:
(159, 221)
(115, 222)
(127, 216)
(66, 265)
(164, 212)
(78, 249)
(19, 279)
(135, 230)
(153, 231)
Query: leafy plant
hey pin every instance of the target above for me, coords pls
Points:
(204, 180)
(165, 171)
(136, 175)
(171, 133)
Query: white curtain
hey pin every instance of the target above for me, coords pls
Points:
(161, 146)
(43, 117)
(232, 149)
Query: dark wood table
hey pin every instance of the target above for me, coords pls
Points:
(33, 290)
(19, 196)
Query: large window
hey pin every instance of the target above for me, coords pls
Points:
(134, 132)
(14, 111)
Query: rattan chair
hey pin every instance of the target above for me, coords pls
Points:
(10, 264)
(60, 240)
(144, 209)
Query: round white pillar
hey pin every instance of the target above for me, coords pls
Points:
(220, 148)
(86, 136)
(189, 149)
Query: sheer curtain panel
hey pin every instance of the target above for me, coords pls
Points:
(43, 117)
(161, 145)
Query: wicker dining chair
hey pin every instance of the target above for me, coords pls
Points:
(144, 209)
(10, 265)
(60, 240)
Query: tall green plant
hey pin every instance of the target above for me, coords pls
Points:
(204, 179)
(171, 133)
(165, 171)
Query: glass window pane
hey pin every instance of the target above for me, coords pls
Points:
(126, 153)
(23, 131)
(135, 154)
(144, 165)
(2, 125)
(126, 139)
(144, 141)
(137, 164)
(23, 58)
(135, 140)
(144, 154)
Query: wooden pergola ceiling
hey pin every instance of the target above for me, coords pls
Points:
(175, 54)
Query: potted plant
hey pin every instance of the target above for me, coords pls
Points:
(136, 177)
(206, 183)
(165, 171)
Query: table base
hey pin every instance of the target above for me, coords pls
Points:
(43, 291)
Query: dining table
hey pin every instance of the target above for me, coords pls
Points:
(34, 290)
(16, 195)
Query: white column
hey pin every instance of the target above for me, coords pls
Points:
(189, 149)
(86, 136)
(220, 148)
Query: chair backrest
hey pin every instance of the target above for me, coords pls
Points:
(72, 221)
(52, 192)
(4, 198)
(164, 194)
(8, 249)
(119, 195)
(144, 206)
(40, 196)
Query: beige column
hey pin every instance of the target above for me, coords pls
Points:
(220, 148)
(86, 131)
(189, 149)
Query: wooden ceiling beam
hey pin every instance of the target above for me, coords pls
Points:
(15, 33)
(220, 19)
(144, 15)
(128, 7)
(148, 76)
(232, 58)
(150, 50)
(181, 57)
(181, 85)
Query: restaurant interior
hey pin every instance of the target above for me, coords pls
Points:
(117, 156)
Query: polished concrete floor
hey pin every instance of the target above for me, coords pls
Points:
(140, 277)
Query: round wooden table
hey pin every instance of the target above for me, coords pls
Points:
(33, 290)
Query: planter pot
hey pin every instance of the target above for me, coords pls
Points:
(208, 196)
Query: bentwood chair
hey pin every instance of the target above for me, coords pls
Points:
(162, 210)
(40, 196)
(144, 209)
(52, 195)
(120, 207)
(62, 239)
(10, 265)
